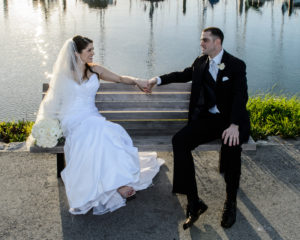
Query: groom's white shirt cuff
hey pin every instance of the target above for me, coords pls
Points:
(158, 80)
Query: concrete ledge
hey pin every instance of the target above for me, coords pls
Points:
(14, 146)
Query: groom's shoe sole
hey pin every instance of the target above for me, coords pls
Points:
(194, 217)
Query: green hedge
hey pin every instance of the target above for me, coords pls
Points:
(274, 115)
(15, 131)
(269, 115)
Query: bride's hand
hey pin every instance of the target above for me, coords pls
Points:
(142, 85)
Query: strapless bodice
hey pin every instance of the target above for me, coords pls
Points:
(82, 105)
(84, 96)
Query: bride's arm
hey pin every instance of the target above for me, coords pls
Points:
(107, 75)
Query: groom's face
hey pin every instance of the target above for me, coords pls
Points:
(208, 44)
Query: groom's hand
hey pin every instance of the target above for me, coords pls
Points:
(142, 85)
(151, 83)
(231, 135)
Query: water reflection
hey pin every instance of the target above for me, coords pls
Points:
(153, 36)
(152, 5)
(101, 4)
(48, 6)
(153, 0)
(289, 5)
(240, 6)
(5, 8)
(254, 4)
(213, 2)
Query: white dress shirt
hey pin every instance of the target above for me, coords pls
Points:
(214, 69)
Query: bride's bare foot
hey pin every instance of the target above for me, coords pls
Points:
(126, 191)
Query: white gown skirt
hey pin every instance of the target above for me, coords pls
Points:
(100, 158)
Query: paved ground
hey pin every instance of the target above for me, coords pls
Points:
(33, 203)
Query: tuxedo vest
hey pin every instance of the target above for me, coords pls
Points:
(209, 85)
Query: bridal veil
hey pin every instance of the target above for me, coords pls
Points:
(65, 75)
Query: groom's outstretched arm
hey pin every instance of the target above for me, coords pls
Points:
(184, 76)
(178, 77)
(174, 77)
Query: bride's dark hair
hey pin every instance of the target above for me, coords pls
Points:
(81, 43)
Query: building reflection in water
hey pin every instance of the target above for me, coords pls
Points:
(48, 6)
(153, 5)
(184, 7)
(289, 6)
(213, 2)
(240, 6)
(254, 4)
(150, 61)
(102, 4)
(5, 8)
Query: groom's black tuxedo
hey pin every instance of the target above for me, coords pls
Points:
(229, 94)
(229, 91)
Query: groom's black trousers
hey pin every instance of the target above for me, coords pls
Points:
(206, 129)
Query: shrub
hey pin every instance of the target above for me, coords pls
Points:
(274, 115)
(15, 131)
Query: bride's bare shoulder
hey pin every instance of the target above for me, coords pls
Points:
(97, 67)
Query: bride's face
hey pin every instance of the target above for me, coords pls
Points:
(87, 54)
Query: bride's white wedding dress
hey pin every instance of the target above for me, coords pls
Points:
(100, 156)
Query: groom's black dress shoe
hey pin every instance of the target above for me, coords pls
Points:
(193, 213)
(229, 214)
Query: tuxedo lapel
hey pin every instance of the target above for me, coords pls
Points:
(199, 72)
(203, 66)
(221, 72)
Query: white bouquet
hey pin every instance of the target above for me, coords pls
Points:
(46, 132)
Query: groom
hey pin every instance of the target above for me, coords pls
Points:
(217, 109)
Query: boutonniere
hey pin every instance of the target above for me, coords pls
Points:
(221, 66)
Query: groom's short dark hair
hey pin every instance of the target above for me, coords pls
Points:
(215, 32)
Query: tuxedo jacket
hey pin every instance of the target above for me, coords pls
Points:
(228, 92)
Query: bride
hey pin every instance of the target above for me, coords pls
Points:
(103, 168)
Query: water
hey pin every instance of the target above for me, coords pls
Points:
(143, 39)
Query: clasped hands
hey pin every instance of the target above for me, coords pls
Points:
(146, 85)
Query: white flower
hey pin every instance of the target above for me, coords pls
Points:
(41, 131)
(221, 66)
(46, 132)
(55, 132)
